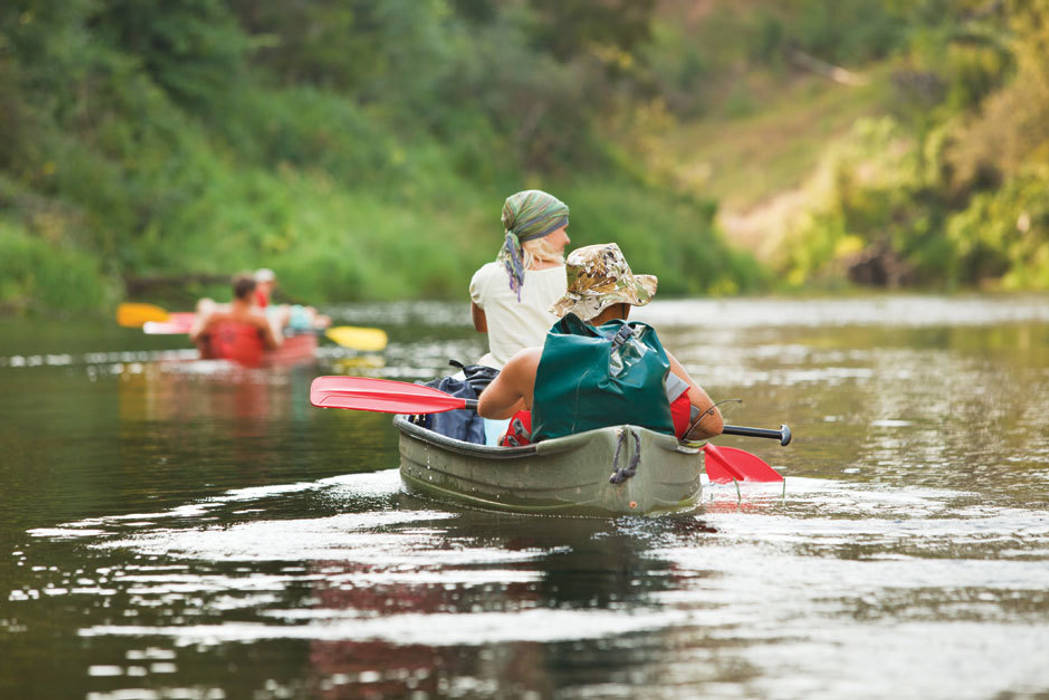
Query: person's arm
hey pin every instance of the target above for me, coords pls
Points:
(203, 321)
(479, 319)
(511, 390)
(197, 329)
(478, 283)
(271, 336)
(711, 423)
(205, 309)
(317, 320)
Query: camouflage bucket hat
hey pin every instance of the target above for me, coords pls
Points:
(599, 276)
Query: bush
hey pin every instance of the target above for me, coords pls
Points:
(35, 274)
(1005, 234)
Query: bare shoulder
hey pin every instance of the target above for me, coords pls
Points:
(216, 316)
(524, 362)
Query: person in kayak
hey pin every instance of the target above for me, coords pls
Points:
(597, 369)
(296, 318)
(239, 331)
(511, 297)
(265, 281)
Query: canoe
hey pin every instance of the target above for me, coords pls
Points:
(563, 476)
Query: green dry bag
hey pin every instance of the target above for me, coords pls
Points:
(596, 377)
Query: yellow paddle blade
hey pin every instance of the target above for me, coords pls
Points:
(367, 339)
(134, 315)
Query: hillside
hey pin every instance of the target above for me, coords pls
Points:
(885, 144)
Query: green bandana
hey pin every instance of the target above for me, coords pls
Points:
(527, 215)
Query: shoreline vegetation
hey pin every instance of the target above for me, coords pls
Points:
(363, 149)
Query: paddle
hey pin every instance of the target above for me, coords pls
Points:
(725, 464)
(153, 319)
(178, 322)
(365, 339)
(389, 396)
(134, 315)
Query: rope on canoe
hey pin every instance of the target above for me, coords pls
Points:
(621, 474)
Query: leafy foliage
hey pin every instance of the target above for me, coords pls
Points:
(37, 273)
(363, 149)
(951, 192)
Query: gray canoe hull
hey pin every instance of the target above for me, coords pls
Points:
(568, 475)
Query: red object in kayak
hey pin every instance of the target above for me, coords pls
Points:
(242, 343)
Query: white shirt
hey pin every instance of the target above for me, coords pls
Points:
(512, 324)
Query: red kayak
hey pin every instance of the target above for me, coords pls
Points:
(243, 344)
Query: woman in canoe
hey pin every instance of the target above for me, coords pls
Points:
(595, 368)
(238, 332)
(511, 297)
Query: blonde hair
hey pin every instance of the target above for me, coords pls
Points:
(539, 250)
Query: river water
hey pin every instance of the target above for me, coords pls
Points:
(178, 529)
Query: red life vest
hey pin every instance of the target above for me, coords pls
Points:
(237, 341)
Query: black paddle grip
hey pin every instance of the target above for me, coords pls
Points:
(783, 434)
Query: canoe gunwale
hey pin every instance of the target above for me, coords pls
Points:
(540, 449)
(460, 447)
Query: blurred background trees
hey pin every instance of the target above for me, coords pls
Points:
(363, 148)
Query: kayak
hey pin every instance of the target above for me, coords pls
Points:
(248, 352)
(294, 350)
(609, 471)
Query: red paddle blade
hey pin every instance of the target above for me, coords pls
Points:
(381, 395)
(725, 464)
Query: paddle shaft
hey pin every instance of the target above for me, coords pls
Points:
(783, 434)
